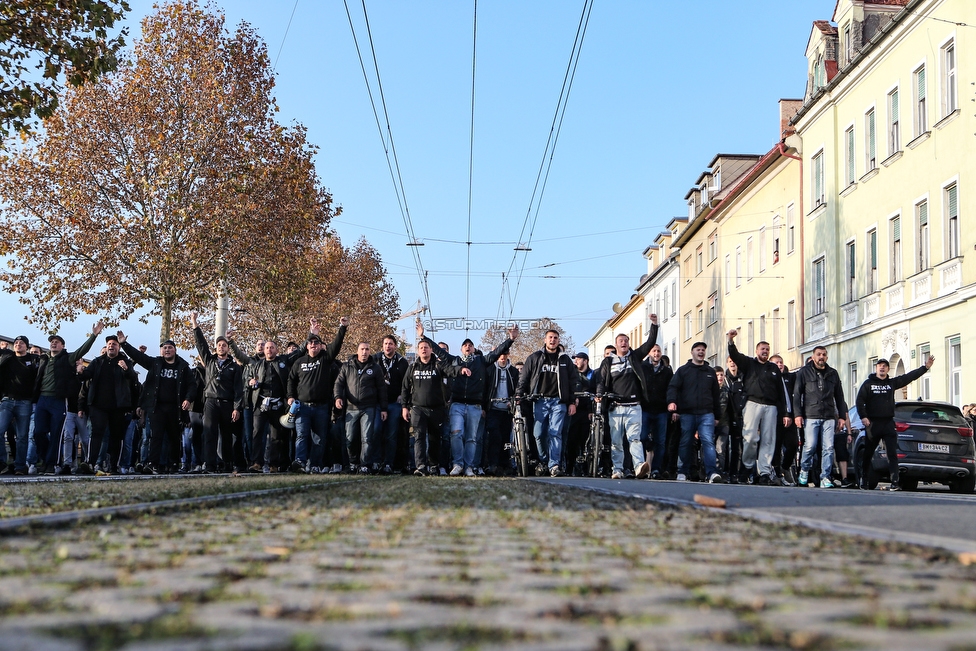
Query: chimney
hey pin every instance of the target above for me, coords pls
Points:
(787, 110)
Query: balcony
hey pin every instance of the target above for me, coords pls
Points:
(870, 307)
(950, 276)
(895, 298)
(921, 287)
(850, 316)
(817, 326)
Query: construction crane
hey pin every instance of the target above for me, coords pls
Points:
(420, 309)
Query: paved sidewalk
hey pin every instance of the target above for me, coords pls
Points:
(438, 563)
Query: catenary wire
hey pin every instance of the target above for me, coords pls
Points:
(474, 61)
(288, 27)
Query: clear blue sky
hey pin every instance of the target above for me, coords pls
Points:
(661, 87)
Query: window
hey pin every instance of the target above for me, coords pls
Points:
(791, 325)
(691, 212)
(949, 98)
(717, 180)
(955, 370)
(777, 224)
(762, 249)
(700, 320)
(920, 118)
(851, 167)
(665, 304)
(922, 236)
(851, 271)
(872, 261)
(686, 269)
(870, 142)
(894, 140)
(852, 379)
(775, 339)
(819, 286)
(895, 229)
(749, 259)
(924, 382)
(712, 247)
(728, 273)
(762, 328)
(952, 221)
(751, 330)
(688, 325)
(790, 229)
(674, 298)
(738, 266)
(848, 44)
(699, 260)
(819, 196)
(713, 309)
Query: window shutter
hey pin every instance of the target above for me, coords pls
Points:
(894, 106)
(953, 202)
(921, 83)
(923, 214)
(850, 154)
(871, 134)
(896, 228)
(874, 249)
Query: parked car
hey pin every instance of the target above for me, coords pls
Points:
(935, 444)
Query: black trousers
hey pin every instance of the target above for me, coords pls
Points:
(881, 429)
(275, 453)
(787, 445)
(498, 432)
(426, 425)
(116, 421)
(165, 426)
(218, 424)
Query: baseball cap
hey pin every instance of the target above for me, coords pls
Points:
(882, 361)
(58, 337)
(582, 354)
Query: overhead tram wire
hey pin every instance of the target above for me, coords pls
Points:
(288, 27)
(543, 174)
(393, 164)
(474, 61)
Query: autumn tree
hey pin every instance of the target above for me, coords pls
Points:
(169, 179)
(337, 281)
(529, 340)
(55, 38)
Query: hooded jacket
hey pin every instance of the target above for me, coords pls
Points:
(470, 389)
(818, 394)
(362, 384)
(423, 384)
(763, 380)
(223, 380)
(876, 397)
(694, 389)
(310, 379)
(567, 378)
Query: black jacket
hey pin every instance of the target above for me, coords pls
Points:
(394, 370)
(737, 391)
(656, 386)
(876, 397)
(568, 377)
(186, 381)
(54, 373)
(470, 389)
(223, 381)
(121, 380)
(818, 394)
(637, 355)
(263, 368)
(310, 378)
(18, 375)
(423, 384)
(694, 389)
(763, 381)
(362, 384)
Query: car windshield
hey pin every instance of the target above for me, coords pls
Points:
(930, 414)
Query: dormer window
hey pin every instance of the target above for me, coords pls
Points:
(717, 181)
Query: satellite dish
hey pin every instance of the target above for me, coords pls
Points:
(617, 308)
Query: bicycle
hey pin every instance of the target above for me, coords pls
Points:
(595, 448)
(520, 441)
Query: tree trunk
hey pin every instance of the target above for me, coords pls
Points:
(167, 327)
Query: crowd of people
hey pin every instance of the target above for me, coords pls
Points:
(304, 410)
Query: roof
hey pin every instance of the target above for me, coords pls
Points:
(825, 27)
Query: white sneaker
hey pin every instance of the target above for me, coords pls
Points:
(336, 468)
(617, 475)
(826, 483)
(643, 470)
(804, 477)
(716, 479)
(468, 472)
(681, 477)
(443, 472)
(32, 469)
(456, 471)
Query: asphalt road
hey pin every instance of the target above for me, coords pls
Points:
(931, 517)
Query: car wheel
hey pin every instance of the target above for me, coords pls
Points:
(967, 485)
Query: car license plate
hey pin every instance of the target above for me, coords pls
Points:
(930, 447)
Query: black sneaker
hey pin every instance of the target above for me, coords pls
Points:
(296, 466)
(62, 470)
(84, 468)
(4, 468)
(846, 483)
(763, 480)
(894, 486)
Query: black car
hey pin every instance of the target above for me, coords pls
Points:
(935, 444)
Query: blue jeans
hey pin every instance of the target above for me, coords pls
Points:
(311, 429)
(75, 432)
(387, 435)
(656, 433)
(465, 421)
(361, 424)
(49, 418)
(625, 420)
(704, 424)
(549, 415)
(18, 412)
(822, 428)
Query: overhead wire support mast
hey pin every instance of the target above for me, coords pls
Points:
(543, 175)
(388, 149)
(474, 61)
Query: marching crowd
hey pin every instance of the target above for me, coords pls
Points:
(302, 409)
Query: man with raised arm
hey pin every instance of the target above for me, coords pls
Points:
(311, 383)
(167, 395)
(51, 395)
(223, 401)
(110, 403)
(622, 374)
(551, 375)
(765, 400)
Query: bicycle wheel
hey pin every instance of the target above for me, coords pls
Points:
(596, 434)
(523, 449)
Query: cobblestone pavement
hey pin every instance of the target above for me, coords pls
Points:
(438, 563)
